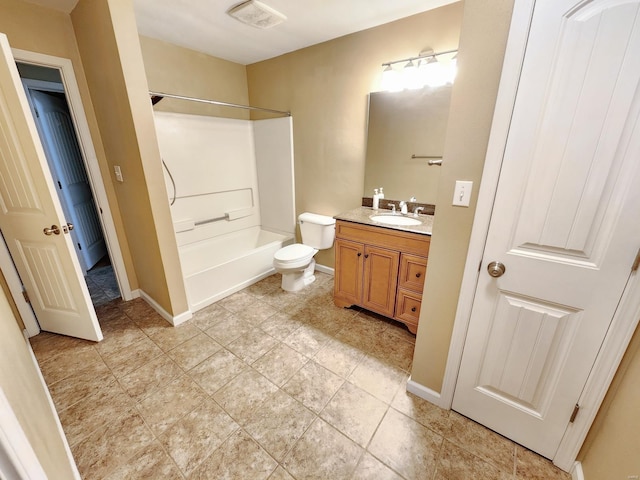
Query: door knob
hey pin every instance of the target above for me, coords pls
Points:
(496, 269)
(70, 225)
(50, 231)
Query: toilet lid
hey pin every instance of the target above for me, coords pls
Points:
(294, 252)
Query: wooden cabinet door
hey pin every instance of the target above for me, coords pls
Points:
(380, 280)
(348, 272)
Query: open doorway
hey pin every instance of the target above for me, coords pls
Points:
(48, 103)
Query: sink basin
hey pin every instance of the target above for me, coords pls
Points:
(396, 220)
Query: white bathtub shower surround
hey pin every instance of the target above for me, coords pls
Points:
(220, 266)
(274, 162)
(234, 198)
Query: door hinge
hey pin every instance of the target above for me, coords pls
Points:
(59, 185)
(576, 409)
(37, 113)
(26, 296)
(79, 246)
(636, 262)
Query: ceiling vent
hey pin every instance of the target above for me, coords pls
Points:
(256, 14)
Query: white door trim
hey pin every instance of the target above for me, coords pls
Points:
(89, 155)
(625, 320)
(18, 461)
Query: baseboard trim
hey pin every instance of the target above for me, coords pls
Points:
(424, 392)
(325, 269)
(576, 472)
(175, 321)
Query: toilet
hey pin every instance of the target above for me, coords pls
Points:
(295, 262)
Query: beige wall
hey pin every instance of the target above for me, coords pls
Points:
(612, 448)
(325, 87)
(109, 46)
(482, 44)
(21, 384)
(178, 70)
(37, 29)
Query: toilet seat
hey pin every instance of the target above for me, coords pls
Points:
(294, 256)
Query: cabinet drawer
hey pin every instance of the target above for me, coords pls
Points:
(408, 308)
(412, 272)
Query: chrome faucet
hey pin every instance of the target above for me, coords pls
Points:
(393, 208)
(403, 207)
(417, 210)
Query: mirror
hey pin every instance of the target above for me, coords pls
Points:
(402, 124)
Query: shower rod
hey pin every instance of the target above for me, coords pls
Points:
(216, 102)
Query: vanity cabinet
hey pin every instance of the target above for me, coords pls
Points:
(380, 269)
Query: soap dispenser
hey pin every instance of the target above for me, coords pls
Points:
(376, 199)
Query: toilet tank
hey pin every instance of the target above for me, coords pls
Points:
(318, 231)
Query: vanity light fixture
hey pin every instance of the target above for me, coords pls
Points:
(424, 70)
(256, 14)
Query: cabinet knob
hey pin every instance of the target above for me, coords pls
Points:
(366, 256)
(359, 253)
(418, 275)
(413, 309)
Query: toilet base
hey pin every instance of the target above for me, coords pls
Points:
(295, 281)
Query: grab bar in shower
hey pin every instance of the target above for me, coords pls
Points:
(209, 220)
(189, 224)
(230, 216)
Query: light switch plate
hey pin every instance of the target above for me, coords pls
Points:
(118, 173)
(462, 193)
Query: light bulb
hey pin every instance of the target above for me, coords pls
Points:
(411, 76)
(390, 80)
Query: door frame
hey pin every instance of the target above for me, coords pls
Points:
(17, 458)
(76, 109)
(625, 319)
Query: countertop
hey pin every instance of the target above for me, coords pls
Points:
(362, 215)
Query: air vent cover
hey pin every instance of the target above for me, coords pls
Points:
(256, 14)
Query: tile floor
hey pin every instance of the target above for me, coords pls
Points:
(262, 385)
(102, 283)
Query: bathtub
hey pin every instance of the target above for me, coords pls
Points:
(217, 267)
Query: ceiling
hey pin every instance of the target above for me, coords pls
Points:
(204, 26)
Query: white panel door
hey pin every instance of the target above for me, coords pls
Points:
(63, 152)
(47, 264)
(564, 223)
